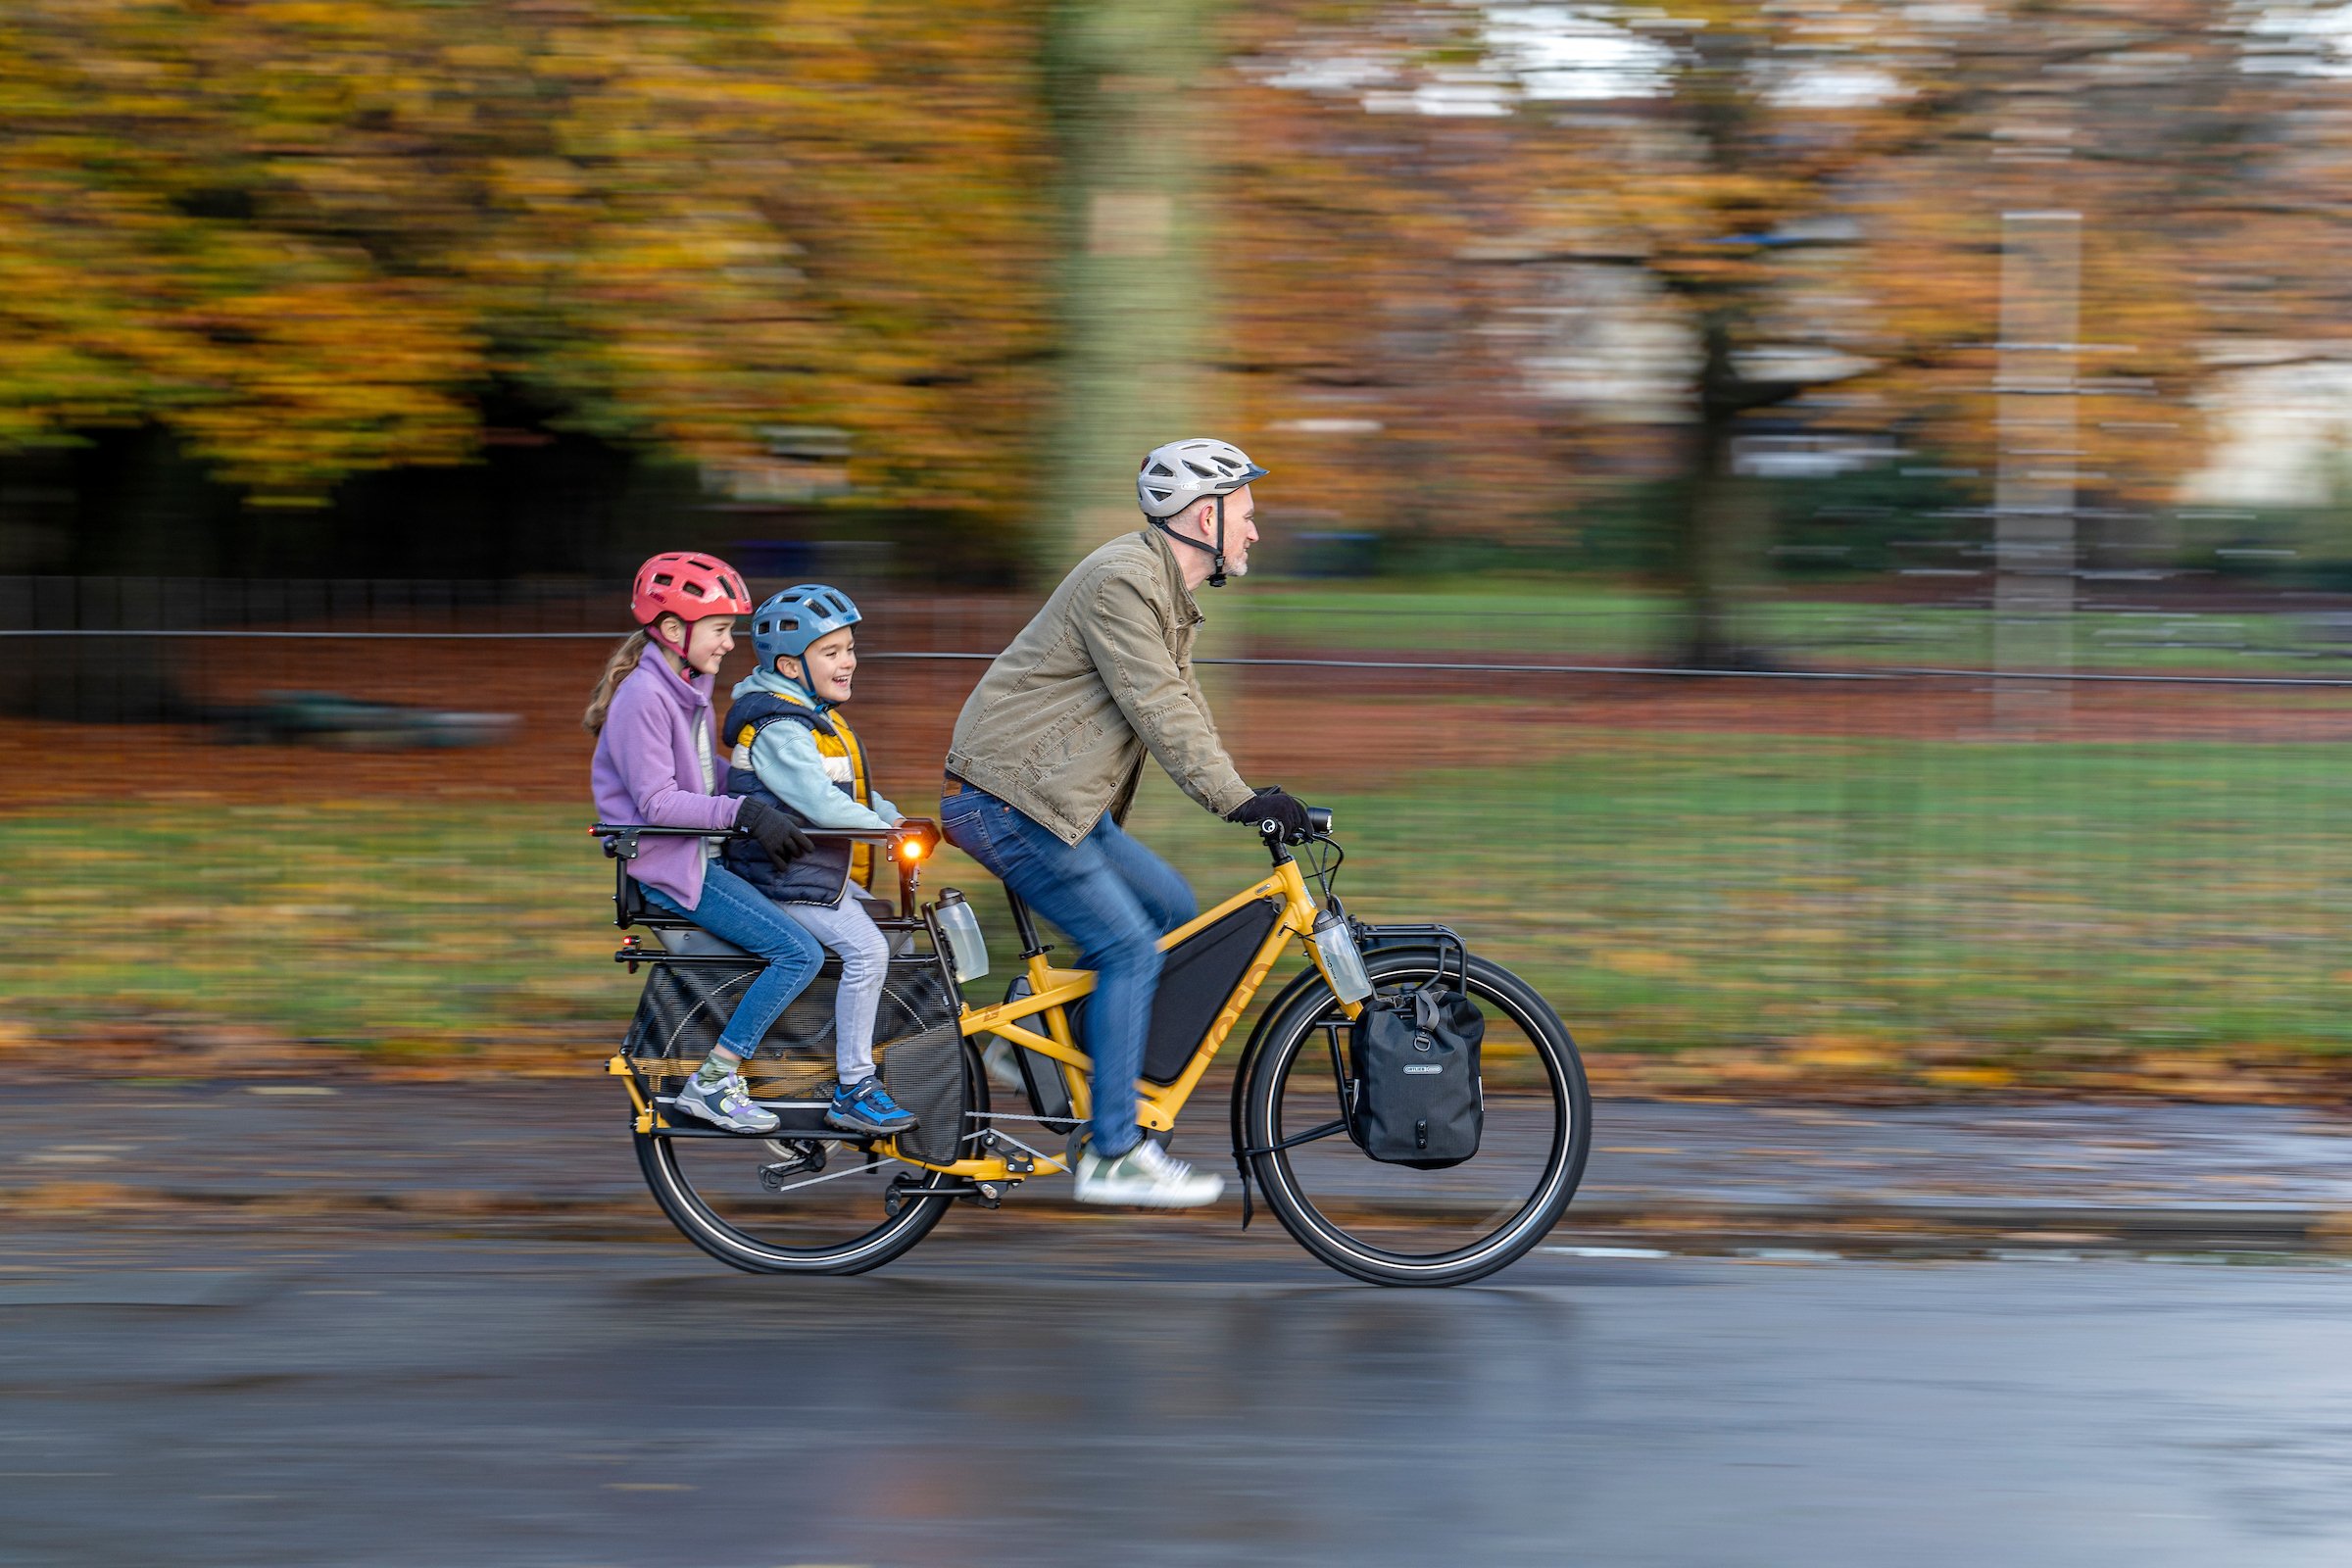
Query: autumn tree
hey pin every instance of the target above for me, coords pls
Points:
(307, 237)
(1805, 202)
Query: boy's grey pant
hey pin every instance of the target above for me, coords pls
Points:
(864, 953)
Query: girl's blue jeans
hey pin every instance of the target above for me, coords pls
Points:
(734, 910)
(1115, 899)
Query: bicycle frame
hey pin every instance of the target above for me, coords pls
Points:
(1052, 991)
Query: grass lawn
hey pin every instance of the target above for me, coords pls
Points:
(1972, 902)
(1567, 617)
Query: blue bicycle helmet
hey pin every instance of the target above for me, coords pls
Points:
(786, 624)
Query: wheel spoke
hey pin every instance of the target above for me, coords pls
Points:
(1403, 1224)
(726, 1195)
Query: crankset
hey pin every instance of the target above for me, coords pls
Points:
(801, 1155)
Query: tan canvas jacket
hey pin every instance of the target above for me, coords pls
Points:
(1059, 725)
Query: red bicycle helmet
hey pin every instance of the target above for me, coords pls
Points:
(687, 585)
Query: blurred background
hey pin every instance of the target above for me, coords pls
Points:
(1822, 532)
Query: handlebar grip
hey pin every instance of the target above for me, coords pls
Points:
(1318, 820)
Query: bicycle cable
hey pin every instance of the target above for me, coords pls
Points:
(1324, 868)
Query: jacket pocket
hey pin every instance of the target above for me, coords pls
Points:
(1066, 739)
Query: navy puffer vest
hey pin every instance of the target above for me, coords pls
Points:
(821, 877)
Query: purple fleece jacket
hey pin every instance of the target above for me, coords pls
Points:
(646, 771)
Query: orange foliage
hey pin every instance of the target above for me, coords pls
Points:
(307, 235)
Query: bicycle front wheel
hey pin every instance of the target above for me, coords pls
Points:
(1393, 1224)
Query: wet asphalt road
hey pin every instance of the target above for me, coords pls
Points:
(1135, 1390)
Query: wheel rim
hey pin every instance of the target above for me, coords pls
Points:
(711, 1187)
(1399, 1222)
(759, 1202)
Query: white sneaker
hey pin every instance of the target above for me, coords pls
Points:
(1144, 1177)
(726, 1104)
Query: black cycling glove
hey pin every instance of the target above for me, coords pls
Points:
(774, 829)
(1272, 805)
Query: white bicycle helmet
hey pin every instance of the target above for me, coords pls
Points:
(1176, 475)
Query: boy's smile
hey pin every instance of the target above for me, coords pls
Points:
(827, 668)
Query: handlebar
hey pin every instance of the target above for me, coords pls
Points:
(620, 838)
(907, 847)
(1318, 822)
(863, 835)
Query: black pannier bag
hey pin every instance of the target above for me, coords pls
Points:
(1416, 1099)
(685, 1006)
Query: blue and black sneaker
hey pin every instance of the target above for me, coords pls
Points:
(868, 1109)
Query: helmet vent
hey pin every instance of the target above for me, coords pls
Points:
(663, 579)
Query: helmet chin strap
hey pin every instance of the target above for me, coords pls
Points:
(684, 669)
(1216, 552)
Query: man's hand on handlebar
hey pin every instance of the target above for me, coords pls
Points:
(774, 830)
(1286, 811)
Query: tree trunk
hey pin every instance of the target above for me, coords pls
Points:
(1128, 85)
(1715, 533)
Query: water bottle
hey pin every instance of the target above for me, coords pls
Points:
(1343, 965)
(967, 951)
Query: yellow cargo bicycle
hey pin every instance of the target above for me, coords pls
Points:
(809, 1198)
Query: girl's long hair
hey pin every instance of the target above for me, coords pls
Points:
(617, 668)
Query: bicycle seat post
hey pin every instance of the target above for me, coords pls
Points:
(1025, 924)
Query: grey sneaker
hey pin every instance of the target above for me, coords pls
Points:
(1144, 1177)
(727, 1103)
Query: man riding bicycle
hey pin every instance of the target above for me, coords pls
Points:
(1046, 756)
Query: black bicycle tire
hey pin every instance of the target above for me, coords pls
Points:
(886, 1243)
(1284, 1032)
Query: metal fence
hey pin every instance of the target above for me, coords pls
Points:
(314, 795)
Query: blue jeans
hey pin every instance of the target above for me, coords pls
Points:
(1114, 899)
(734, 910)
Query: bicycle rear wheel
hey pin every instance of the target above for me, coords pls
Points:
(790, 1204)
(1393, 1224)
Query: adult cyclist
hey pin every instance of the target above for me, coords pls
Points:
(1050, 746)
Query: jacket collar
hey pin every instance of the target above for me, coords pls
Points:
(775, 685)
(689, 695)
(1171, 575)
